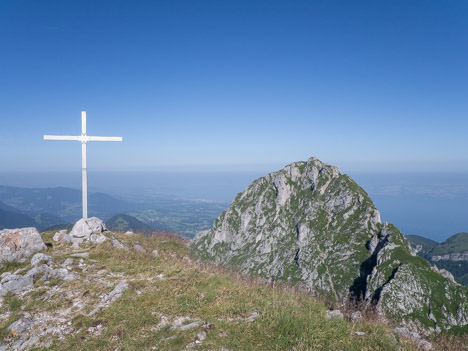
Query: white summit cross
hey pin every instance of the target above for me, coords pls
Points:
(84, 139)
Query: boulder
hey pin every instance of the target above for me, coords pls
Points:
(15, 283)
(19, 244)
(85, 227)
(89, 229)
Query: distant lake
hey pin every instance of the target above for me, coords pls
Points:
(434, 205)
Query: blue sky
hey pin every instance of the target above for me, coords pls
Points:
(235, 85)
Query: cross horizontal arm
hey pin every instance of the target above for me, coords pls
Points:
(100, 138)
(62, 137)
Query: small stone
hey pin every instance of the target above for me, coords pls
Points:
(68, 262)
(189, 326)
(360, 333)
(155, 253)
(59, 235)
(118, 245)
(356, 316)
(139, 248)
(202, 335)
(335, 314)
(61, 273)
(40, 258)
(253, 317)
(80, 254)
(116, 292)
(177, 322)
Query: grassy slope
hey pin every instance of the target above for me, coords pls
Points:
(288, 320)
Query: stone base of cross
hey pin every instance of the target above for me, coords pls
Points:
(83, 138)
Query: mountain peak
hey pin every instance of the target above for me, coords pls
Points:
(309, 223)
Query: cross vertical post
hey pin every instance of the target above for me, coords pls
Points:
(84, 168)
(83, 138)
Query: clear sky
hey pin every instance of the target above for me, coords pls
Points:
(366, 85)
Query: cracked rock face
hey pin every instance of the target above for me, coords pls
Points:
(19, 244)
(309, 223)
(86, 227)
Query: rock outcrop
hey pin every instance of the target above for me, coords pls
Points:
(455, 256)
(309, 223)
(19, 244)
(85, 230)
(49, 279)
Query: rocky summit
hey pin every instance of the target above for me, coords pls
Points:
(310, 224)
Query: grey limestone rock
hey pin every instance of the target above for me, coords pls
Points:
(19, 244)
(455, 256)
(189, 326)
(60, 235)
(40, 258)
(415, 337)
(21, 324)
(118, 245)
(306, 222)
(356, 316)
(139, 248)
(15, 283)
(97, 238)
(44, 272)
(69, 261)
(85, 227)
(115, 293)
(85, 230)
(335, 314)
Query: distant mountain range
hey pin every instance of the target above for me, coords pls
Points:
(451, 255)
(57, 208)
(46, 207)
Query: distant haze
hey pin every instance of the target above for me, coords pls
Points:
(434, 205)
